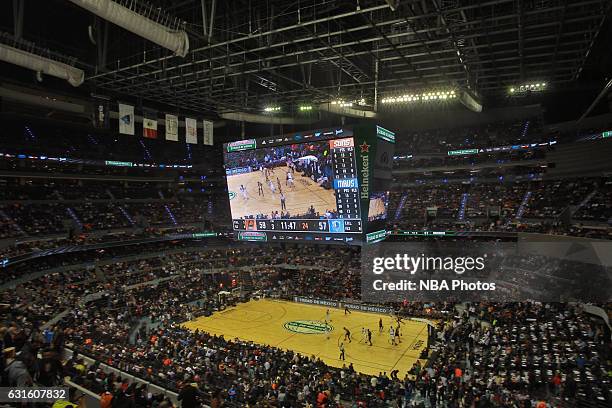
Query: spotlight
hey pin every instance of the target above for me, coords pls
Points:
(528, 87)
(342, 103)
(429, 96)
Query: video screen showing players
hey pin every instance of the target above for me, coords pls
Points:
(379, 203)
(272, 188)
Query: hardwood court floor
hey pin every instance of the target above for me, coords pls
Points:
(300, 327)
(298, 199)
(377, 208)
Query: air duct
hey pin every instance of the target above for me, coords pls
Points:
(254, 118)
(38, 63)
(470, 100)
(46, 100)
(176, 41)
(347, 111)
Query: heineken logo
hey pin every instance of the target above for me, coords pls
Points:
(308, 327)
(232, 195)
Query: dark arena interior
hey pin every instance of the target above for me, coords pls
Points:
(306, 203)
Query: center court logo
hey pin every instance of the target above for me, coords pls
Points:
(308, 327)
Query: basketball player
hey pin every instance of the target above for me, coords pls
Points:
(370, 336)
(392, 335)
(341, 347)
(260, 189)
(272, 187)
(283, 203)
(289, 181)
(280, 187)
(346, 310)
(347, 334)
(397, 334)
(327, 316)
(364, 335)
(243, 191)
(380, 326)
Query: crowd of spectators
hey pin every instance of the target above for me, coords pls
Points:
(62, 259)
(79, 190)
(488, 135)
(520, 206)
(32, 246)
(52, 141)
(61, 217)
(482, 159)
(516, 354)
(482, 355)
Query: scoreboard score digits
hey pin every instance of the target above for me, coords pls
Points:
(333, 225)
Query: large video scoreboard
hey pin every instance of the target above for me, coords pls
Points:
(311, 186)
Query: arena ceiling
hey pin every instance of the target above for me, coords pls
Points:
(253, 53)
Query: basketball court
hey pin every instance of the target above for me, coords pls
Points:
(377, 209)
(298, 199)
(301, 328)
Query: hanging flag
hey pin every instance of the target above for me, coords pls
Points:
(149, 124)
(126, 119)
(208, 132)
(191, 131)
(100, 112)
(171, 127)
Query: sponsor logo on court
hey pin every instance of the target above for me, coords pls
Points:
(232, 195)
(308, 327)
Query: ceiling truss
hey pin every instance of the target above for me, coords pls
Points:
(313, 51)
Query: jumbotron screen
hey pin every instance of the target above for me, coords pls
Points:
(302, 187)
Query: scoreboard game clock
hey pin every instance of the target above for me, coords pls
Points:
(322, 185)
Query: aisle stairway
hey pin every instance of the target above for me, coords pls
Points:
(400, 207)
(246, 281)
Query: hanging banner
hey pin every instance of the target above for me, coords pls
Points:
(191, 131)
(171, 127)
(149, 124)
(126, 119)
(208, 132)
(100, 113)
